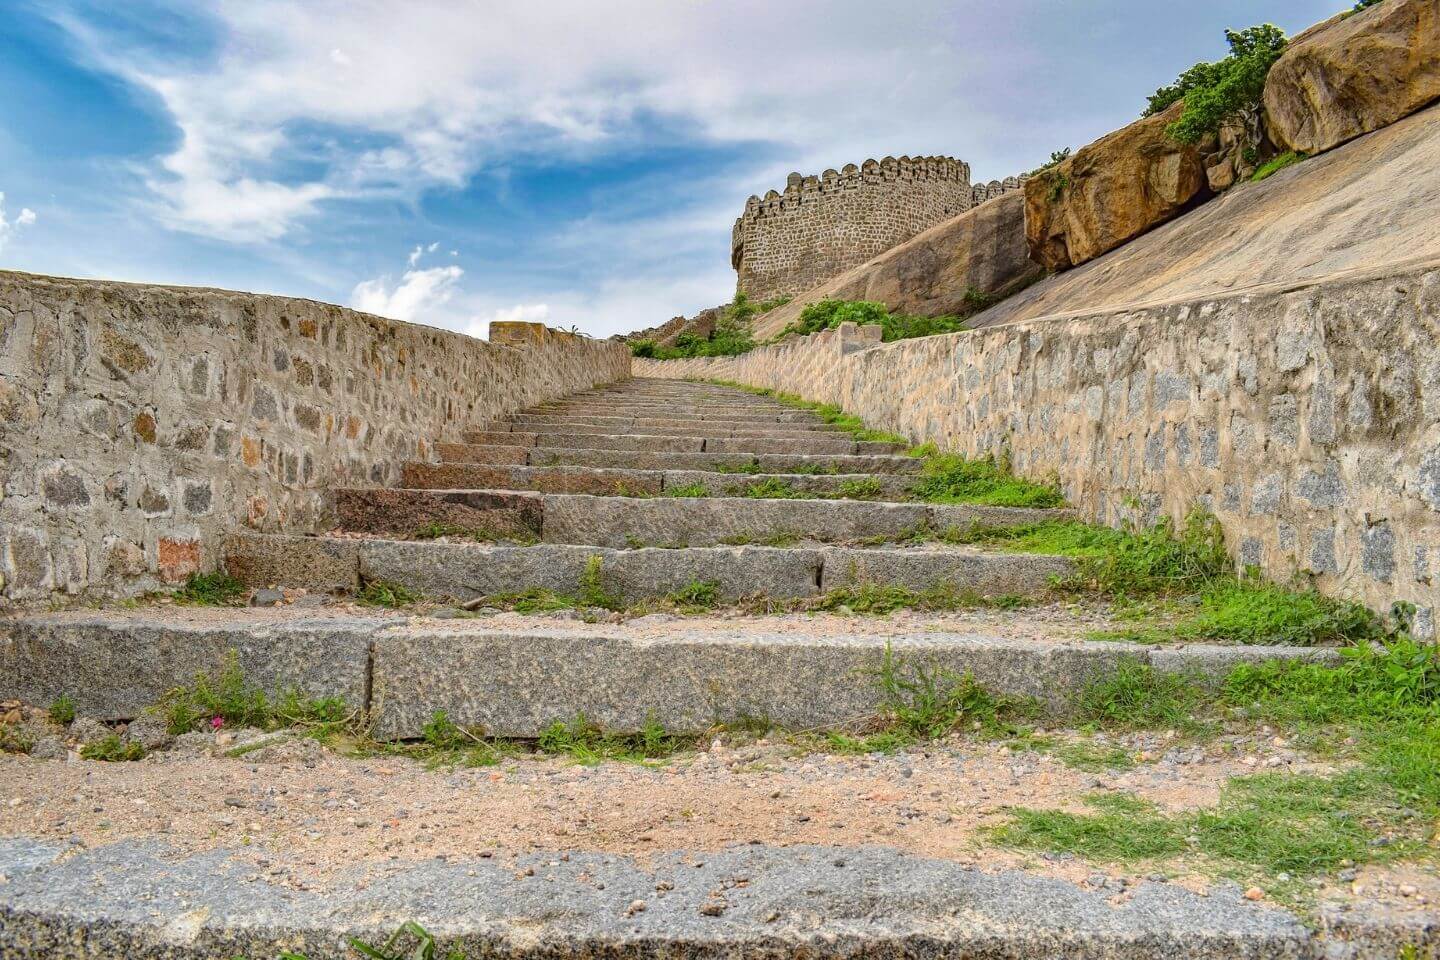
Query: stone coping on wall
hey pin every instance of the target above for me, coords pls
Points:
(1305, 416)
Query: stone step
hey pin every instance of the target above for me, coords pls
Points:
(673, 411)
(620, 482)
(466, 571)
(640, 460)
(530, 421)
(835, 901)
(679, 443)
(691, 428)
(516, 682)
(657, 521)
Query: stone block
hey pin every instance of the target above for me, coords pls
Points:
(115, 666)
(310, 563)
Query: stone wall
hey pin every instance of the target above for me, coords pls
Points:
(140, 423)
(1306, 417)
(787, 243)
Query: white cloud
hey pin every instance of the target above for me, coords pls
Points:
(8, 228)
(418, 296)
(451, 87)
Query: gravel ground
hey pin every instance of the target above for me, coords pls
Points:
(299, 813)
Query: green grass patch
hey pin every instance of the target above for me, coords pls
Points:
(226, 695)
(1379, 709)
(386, 593)
(1287, 159)
(434, 530)
(883, 598)
(1092, 757)
(950, 478)
(688, 490)
(585, 742)
(112, 749)
(62, 710)
(860, 488)
(774, 488)
(217, 589)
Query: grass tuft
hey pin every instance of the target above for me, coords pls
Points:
(949, 478)
(112, 749)
(386, 593)
(217, 589)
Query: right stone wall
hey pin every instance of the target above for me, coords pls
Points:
(1307, 419)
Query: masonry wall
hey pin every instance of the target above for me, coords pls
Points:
(820, 226)
(140, 423)
(1307, 419)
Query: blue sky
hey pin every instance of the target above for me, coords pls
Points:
(457, 161)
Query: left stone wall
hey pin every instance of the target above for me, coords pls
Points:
(140, 423)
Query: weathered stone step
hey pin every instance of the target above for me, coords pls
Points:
(674, 411)
(466, 571)
(517, 682)
(525, 421)
(621, 482)
(831, 902)
(658, 521)
(639, 460)
(679, 443)
(494, 432)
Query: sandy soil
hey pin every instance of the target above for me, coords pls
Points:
(299, 812)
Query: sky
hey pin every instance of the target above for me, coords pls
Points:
(576, 162)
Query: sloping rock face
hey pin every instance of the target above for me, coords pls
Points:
(1356, 75)
(1110, 192)
(1371, 202)
(982, 250)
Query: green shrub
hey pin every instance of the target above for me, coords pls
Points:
(1057, 157)
(642, 348)
(1225, 90)
(829, 314)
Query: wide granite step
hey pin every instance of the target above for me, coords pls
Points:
(680, 443)
(467, 571)
(657, 521)
(622, 482)
(516, 682)
(642, 460)
(691, 428)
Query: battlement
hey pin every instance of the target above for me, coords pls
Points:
(787, 242)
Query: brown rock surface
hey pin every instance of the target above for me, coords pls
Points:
(981, 249)
(1371, 203)
(1110, 191)
(1354, 76)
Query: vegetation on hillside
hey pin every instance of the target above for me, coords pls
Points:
(828, 314)
(1228, 90)
(730, 337)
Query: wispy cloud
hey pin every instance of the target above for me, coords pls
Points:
(9, 228)
(420, 294)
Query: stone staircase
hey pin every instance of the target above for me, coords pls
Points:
(658, 480)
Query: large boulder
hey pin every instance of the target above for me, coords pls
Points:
(1355, 75)
(955, 267)
(1111, 191)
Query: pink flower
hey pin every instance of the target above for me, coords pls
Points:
(216, 723)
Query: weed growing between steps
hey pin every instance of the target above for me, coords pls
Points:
(879, 599)
(949, 478)
(1377, 716)
(386, 593)
(435, 530)
(227, 698)
(211, 590)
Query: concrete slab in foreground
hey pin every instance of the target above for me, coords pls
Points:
(140, 901)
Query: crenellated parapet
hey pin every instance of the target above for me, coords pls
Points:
(981, 192)
(786, 242)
